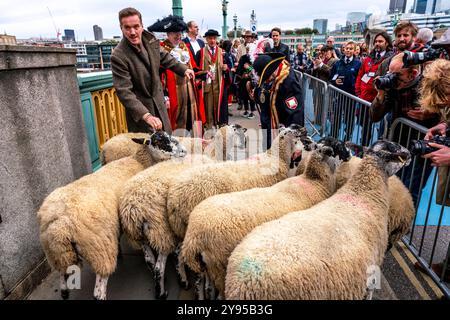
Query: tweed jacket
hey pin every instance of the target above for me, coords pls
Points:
(137, 81)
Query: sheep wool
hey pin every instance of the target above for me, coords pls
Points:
(218, 224)
(196, 184)
(324, 252)
(401, 205)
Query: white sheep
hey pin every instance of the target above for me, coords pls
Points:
(401, 205)
(218, 224)
(324, 252)
(143, 210)
(196, 184)
(80, 220)
(121, 146)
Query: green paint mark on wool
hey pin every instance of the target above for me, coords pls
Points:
(250, 267)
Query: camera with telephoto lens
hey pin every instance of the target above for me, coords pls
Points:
(388, 81)
(414, 58)
(422, 147)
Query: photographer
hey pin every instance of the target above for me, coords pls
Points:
(435, 97)
(398, 93)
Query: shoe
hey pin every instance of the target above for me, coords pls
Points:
(245, 114)
(251, 115)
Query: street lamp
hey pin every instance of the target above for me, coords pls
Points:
(224, 11)
(235, 25)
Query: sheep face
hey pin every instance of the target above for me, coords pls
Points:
(238, 133)
(392, 156)
(162, 146)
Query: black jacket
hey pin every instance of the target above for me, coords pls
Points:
(289, 101)
(282, 48)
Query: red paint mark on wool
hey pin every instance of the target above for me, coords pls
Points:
(303, 183)
(254, 158)
(354, 201)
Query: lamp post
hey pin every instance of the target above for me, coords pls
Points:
(224, 11)
(235, 25)
(177, 8)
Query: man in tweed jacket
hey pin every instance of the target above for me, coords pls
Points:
(135, 65)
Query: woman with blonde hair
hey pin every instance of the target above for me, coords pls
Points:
(435, 97)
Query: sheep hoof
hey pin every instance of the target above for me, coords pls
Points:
(163, 296)
(65, 294)
(185, 285)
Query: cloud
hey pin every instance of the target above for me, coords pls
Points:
(31, 18)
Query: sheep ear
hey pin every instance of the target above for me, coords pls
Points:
(141, 141)
(245, 130)
(357, 149)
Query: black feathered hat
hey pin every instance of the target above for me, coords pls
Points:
(266, 64)
(212, 33)
(169, 24)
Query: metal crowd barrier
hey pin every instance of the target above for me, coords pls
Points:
(429, 238)
(315, 101)
(348, 118)
(330, 111)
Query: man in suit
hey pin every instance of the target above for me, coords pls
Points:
(210, 69)
(135, 66)
(193, 42)
(279, 47)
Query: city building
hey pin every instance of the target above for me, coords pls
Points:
(432, 21)
(82, 60)
(397, 6)
(7, 39)
(69, 35)
(320, 25)
(98, 33)
(420, 6)
(355, 18)
(441, 6)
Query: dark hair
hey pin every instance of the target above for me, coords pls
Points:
(128, 12)
(275, 29)
(226, 45)
(406, 25)
(189, 24)
(327, 48)
(386, 37)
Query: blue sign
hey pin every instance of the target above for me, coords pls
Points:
(253, 28)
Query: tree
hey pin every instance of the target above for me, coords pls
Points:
(315, 31)
(303, 31)
(289, 32)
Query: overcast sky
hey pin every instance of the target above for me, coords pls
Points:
(31, 18)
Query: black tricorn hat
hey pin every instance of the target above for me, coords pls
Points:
(169, 24)
(266, 64)
(212, 33)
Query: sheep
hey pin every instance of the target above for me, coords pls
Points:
(143, 211)
(401, 205)
(326, 251)
(196, 184)
(80, 220)
(121, 146)
(218, 224)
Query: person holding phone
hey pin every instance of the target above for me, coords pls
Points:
(345, 71)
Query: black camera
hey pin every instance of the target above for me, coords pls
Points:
(414, 58)
(422, 147)
(388, 81)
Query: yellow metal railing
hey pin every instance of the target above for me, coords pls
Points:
(109, 114)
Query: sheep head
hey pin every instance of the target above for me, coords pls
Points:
(391, 156)
(291, 142)
(162, 146)
(333, 151)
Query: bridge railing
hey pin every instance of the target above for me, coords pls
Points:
(103, 113)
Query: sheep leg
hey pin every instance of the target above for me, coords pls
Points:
(149, 257)
(181, 271)
(101, 284)
(63, 286)
(160, 269)
(210, 290)
(200, 287)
